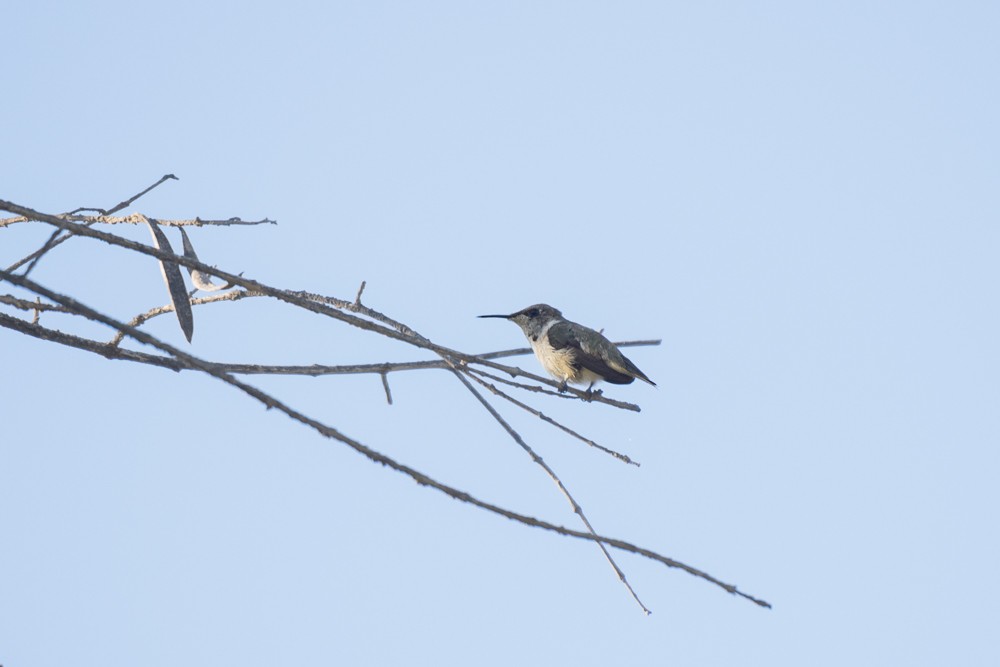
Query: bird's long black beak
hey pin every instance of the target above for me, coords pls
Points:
(503, 317)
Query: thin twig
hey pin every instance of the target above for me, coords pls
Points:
(169, 308)
(550, 420)
(128, 202)
(577, 509)
(595, 396)
(521, 385)
(24, 304)
(53, 241)
(527, 350)
(48, 245)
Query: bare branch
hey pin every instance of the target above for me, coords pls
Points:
(128, 202)
(48, 245)
(107, 351)
(356, 307)
(465, 367)
(596, 396)
(136, 219)
(52, 242)
(55, 239)
(550, 420)
(150, 314)
(312, 370)
(312, 302)
(191, 361)
(527, 350)
(24, 304)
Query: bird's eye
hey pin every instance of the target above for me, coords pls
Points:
(533, 312)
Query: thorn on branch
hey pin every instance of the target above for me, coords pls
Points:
(357, 299)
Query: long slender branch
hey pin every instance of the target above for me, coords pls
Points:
(103, 349)
(329, 432)
(112, 351)
(577, 509)
(140, 319)
(297, 300)
(136, 218)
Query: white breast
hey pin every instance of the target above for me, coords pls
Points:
(559, 363)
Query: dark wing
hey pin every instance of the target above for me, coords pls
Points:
(561, 336)
(634, 370)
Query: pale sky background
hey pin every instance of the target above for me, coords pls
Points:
(800, 199)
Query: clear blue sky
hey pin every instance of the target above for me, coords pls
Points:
(799, 198)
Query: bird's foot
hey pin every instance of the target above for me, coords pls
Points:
(562, 387)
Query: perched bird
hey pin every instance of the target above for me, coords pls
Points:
(571, 352)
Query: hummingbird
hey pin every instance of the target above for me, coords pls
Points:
(571, 352)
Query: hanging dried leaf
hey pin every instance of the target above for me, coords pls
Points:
(200, 279)
(175, 282)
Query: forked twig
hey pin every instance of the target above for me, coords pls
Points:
(555, 478)
(128, 202)
(55, 239)
(550, 420)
